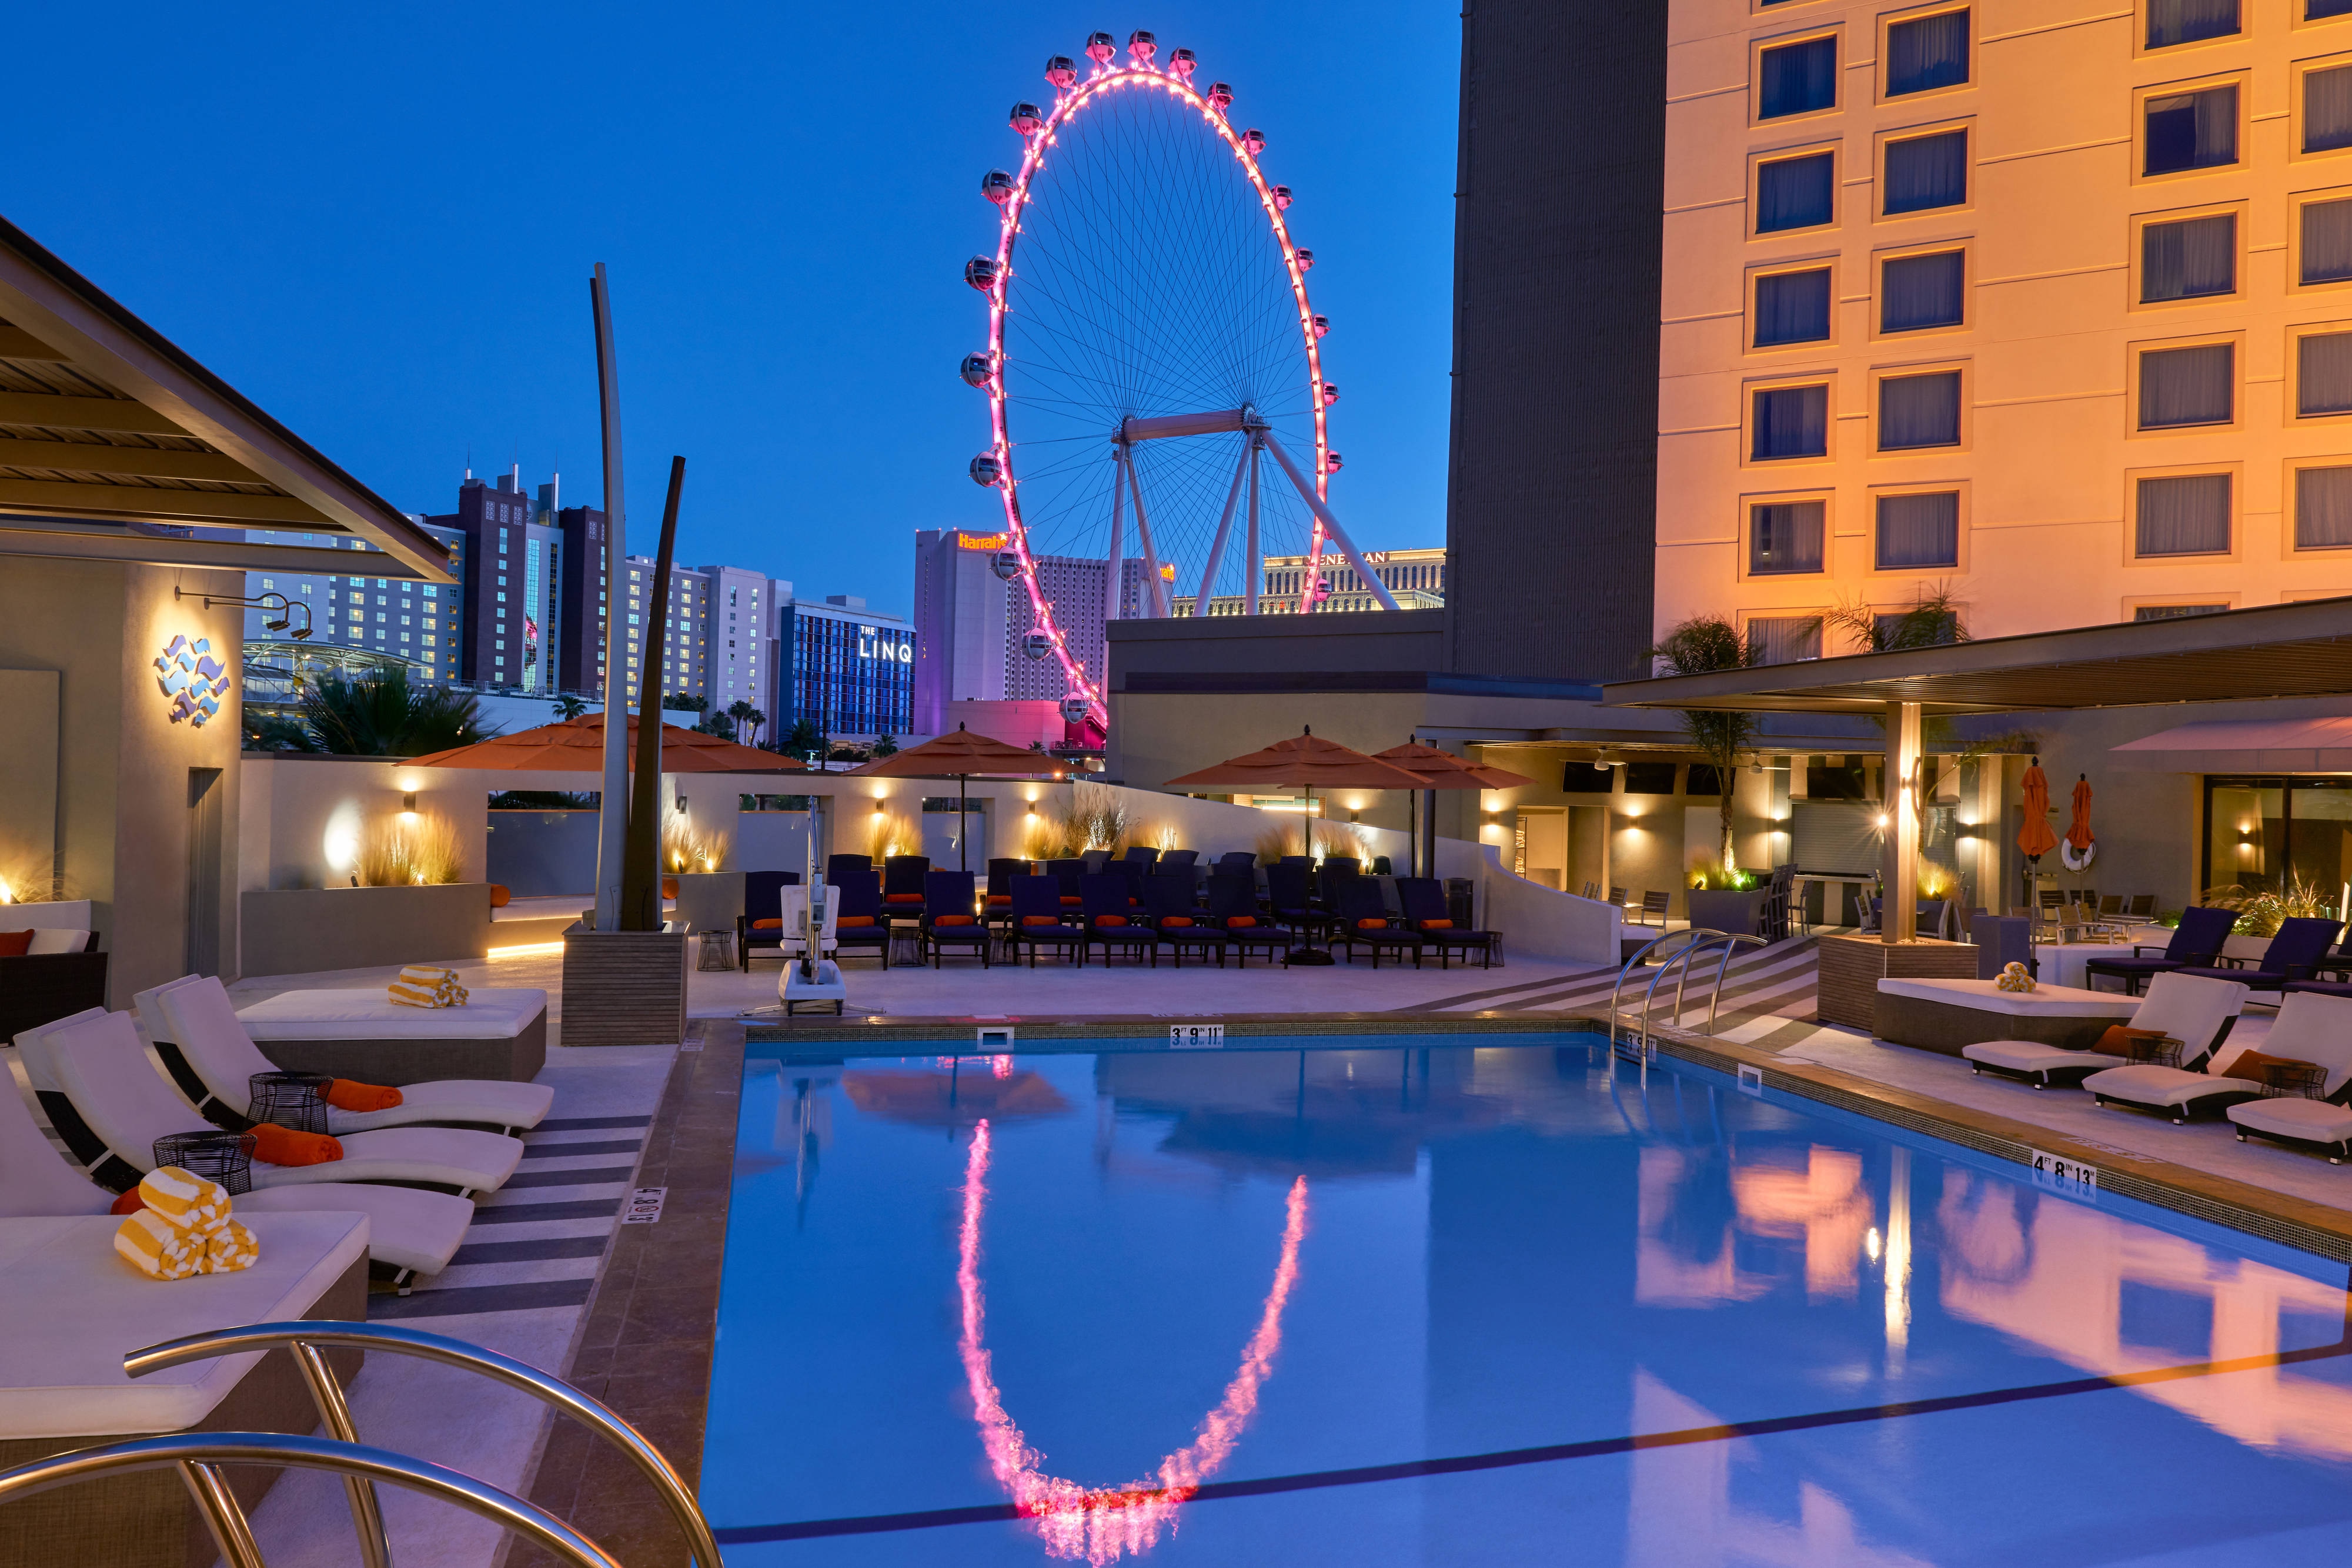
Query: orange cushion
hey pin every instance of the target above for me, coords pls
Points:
(277, 1145)
(499, 894)
(128, 1203)
(1371, 924)
(1000, 898)
(2117, 1040)
(1040, 920)
(853, 920)
(1071, 901)
(15, 943)
(767, 925)
(669, 887)
(1176, 920)
(904, 898)
(344, 1094)
(2253, 1065)
(1111, 919)
(1437, 925)
(951, 919)
(1240, 922)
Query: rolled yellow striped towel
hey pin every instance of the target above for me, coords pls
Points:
(422, 986)
(182, 1199)
(229, 1249)
(157, 1247)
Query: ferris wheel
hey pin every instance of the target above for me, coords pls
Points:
(1157, 394)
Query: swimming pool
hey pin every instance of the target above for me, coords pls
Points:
(1404, 1303)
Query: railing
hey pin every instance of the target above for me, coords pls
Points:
(305, 1338)
(1697, 940)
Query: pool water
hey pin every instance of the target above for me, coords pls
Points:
(1520, 1303)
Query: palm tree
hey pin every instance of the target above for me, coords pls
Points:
(569, 707)
(1700, 645)
(805, 741)
(886, 745)
(381, 714)
(748, 719)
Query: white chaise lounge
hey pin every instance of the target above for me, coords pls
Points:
(93, 1069)
(2318, 1030)
(2196, 1086)
(2195, 1012)
(202, 1040)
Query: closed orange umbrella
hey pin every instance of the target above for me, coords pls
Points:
(2034, 838)
(2078, 832)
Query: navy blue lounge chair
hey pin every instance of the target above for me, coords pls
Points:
(949, 919)
(1232, 909)
(1039, 920)
(2295, 954)
(859, 923)
(1423, 898)
(1109, 918)
(1178, 921)
(1364, 922)
(2195, 942)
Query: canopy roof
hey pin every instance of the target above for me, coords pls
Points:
(1443, 770)
(960, 755)
(116, 445)
(2300, 649)
(577, 746)
(1304, 761)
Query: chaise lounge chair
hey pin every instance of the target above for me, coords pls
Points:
(763, 923)
(2306, 1104)
(196, 1031)
(2194, 1012)
(92, 1073)
(860, 922)
(1364, 922)
(2196, 943)
(1178, 921)
(1040, 921)
(2197, 1085)
(1108, 913)
(2295, 954)
(1423, 900)
(948, 917)
(1233, 908)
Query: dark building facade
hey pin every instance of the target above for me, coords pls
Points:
(580, 587)
(1552, 496)
(843, 667)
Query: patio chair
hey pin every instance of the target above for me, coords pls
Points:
(1095, 859)
(950, 919)
(93, 1073)
(1773, 919)
(2295, 954)
(1592, 890)
(1424, 899)
(1178, 860)
(409, 1230)
(1617, 896)
(1071, 874)
(1109, 918)
(1289, 903)
(1232, 909)
(2196, 943)
(1380, 866)
(839, 866)
(1364, 922)
(2179, 1089)
(2194, 1015)
(996, 907)
(2308, 1075)
(860, 923)
(1132, 873)
(1177, 921)
(762, 922)
(205, 1048)
(1238, 863)
(1654, 902)
(1142, 853)
(902, 879)
(1040, 921)
(2141, 907)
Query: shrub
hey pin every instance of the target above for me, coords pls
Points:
(410, 850)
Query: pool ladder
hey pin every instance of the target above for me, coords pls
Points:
(1700, 939)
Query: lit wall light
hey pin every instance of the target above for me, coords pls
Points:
(408, 801)
(1882, 819)
(524, 950)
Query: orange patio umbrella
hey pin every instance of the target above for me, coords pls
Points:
(1443, 770)
(960, 757)
(577, 746)
(2078, 832)
(1303, 762)
(2034, 838)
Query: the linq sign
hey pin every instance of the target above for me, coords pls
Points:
(873, 644)
(193, 679)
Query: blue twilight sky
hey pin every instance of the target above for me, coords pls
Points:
(378, 222)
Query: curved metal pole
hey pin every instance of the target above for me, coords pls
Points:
(451, 1352)
(335, 1414)
(1330, 523)
(1698, 942)
(1155, 596)
(1715, 997)
(199, 1451)
(225, 1518)
(1224, 526)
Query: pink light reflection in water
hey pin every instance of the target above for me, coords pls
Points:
(1103, 1524)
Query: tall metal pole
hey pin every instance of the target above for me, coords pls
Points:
(1899, 909)
(1224, 526)
(613, 807)
(1256, 561)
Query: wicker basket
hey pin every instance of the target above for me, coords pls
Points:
(224, 1157)
(296, 1100)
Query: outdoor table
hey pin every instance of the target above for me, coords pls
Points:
(905, 943)
(718, 949)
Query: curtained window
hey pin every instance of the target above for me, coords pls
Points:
(1794, 193)
(1797, 79)
(2191, 130)
(2322, 373)
(2316, 10)
(1926, 171)
(2323, 509)
(2328, 109)
(1792, 308)
(2188, 259)
(1785, 639)
(2328, 241)
(1917, 292)
(2171, 22)
(1919, 411)
(1784, 537)
(2184, 515)
(2186, 386)
(1928, 53)
(1790, 422)
(2175, 612)
(1921, 531)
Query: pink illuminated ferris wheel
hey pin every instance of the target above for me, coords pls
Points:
(1154, 372)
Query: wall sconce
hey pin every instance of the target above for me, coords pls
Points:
(408, 801)
(1884, 820)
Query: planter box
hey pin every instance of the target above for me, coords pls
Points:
(708, 900)
(1726, 909)
(625, 987)
(300, 930)
(1852, 966)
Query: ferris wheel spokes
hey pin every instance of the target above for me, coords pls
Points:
(1330, 526)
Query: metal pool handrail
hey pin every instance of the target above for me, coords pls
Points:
(1701, 941)
(1634, 963)
(1715, 993)
(198, 1456)
(306, 1337)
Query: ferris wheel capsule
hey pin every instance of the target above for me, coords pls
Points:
(1037, 645)
(1180, 63)
(1253, 141)
(1281, 198)
(1073, 709)
(1141, 45)
(980, 273)
(1330, 394)
(1100, 49)
(997, 187)
(977, 370)
(1221, 97)
(985, 470)
(1331, 463)
(1306, 259)
(1005, 564)
(1322, 324)
(1062, 71)
(1027, 119)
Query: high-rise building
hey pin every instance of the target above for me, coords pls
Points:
(847, 669)
(684, 625)
(960, 619)
(511, 616)
(737, 664)
(419, 622)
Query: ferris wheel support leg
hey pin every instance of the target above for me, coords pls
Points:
(1115, 557)
(1330, 523)
(1224, 526)
(1155, 591)
(1256, 558)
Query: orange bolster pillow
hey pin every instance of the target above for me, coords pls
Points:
(1240, 922)
(277, 1145)
(128, 1203)
(1176, 920)
(1070, 900)
(1111, 919)
(344, 1094)
(1371, 924)
(853, 920)
(904, 898)
(1000, 898)
(1040, 920)
(767, 925)
(1437, 925)
(950, 919)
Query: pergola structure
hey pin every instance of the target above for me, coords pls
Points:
(2278, 651)
(115, 445)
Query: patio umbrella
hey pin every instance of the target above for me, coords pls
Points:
(1443, 770)
(961, 757)
(2079, 840)
(2034, 838)
(577, 746)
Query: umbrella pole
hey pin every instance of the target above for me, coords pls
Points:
(963, 827)
(1309, 955)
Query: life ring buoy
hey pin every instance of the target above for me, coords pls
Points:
(2077, 859)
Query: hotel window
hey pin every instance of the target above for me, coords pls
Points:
(2328, 109)
(2326, 243)
(2191, 130)
(1795, 193)
(2320, 10)
(1784, 537)
(1924, 173)
(2171, 22)
(1796, 78)
(2174, 612)
(2323, 509)
(2189, 259)
(2188, 386)
(1926, 53)
(1918, 530)
(1792, 308)
(1917, 292)
(2183, 514)
(2323, 376)
(1919, 411)
(1785, 639)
